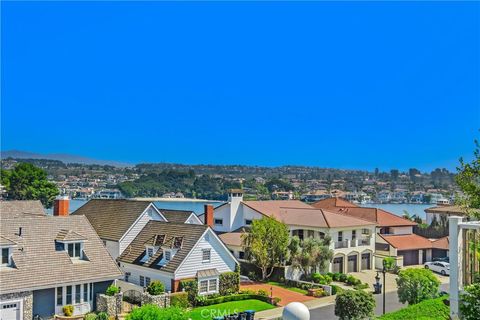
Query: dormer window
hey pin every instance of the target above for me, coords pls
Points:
(6, 257)
(168, 255)
(149, 252)
(75, 250)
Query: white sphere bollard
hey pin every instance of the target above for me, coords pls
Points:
(295, 311)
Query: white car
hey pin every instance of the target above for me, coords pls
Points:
(437, 266)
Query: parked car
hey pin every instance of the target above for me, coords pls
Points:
(437, 266)
(444, 259)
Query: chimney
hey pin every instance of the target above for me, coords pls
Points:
(60, 206)
(208, 216)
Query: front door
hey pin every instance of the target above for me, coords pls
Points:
(10, 311)
(352, 264)
(366, 261)
(338, 265)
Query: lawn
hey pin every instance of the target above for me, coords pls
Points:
(282, 285)
(432, 309)
(222, 309)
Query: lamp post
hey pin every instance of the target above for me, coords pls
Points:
(384, 271)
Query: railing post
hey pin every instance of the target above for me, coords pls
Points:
(455, 264)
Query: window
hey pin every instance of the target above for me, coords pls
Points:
(340, 236)
(248, 222)
(354, 234)
(74, 250)
(241, 255)
(212, 285)
(219, 222)
(5, 256)
(203, 286)
(85, 292)
(206, 255)
(78, 295)
(127, 276)
(147, 281)
(60, 296)
(149, 252)
(365, 231)
(70, 249)
(91, 291)
(310, 233)
(168, 255)
(69, 295)
(142, 281)
(77, 250)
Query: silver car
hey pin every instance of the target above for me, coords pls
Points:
(437, 266)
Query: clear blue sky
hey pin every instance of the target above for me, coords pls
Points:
(345, 85)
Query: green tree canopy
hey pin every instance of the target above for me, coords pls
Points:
(416, 285)
(468, 179)
(354, 305)
(27, 182)
(266, 245)
(470, 302)
(310, 255)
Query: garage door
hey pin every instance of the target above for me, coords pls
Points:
(366, 261)
(410, 257)
(338, 264)
(352, 264)
(10, 311)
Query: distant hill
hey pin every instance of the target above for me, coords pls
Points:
(65, 158)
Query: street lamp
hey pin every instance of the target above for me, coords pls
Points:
(377, 285)
(384, 271)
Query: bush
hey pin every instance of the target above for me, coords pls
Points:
(361, 286)
(229, 283)
(354, 305)
(156, 288)
(112, 290)
(321, 278)
(336, 289)
(416, 285)
(152, 312)
(67, 310)
(342, 277)
(234, 297)
(179, 299)
(262, 292)
(336, 276)
(389, 263)
(276, 301)
(102, 316)
(470, 302)
(432, 309)
(191, 287)
(90, 316)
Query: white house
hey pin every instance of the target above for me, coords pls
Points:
(171, 252)
(352, 238)
(118, 222)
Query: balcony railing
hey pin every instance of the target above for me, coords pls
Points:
(341, 244)
(365, 242)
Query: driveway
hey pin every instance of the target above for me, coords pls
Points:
(285, 295)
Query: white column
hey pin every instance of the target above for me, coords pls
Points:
(455, 264)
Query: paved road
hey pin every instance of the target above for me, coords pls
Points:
(328, 312)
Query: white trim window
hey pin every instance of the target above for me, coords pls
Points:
(206, 255)
(208, 286)
(218, 222)
(80, 295)
(6, 257)
(74, 250)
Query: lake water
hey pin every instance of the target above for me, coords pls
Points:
(197, 206)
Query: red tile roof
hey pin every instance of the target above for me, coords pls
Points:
(442, 243)
(407, 241)
(333, 203)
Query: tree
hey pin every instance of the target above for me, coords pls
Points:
(468, 179)
(153, 312)
(354, 305)
(470, 302)
(266, 245)
(416, 285)
(27, 182)
(156, 288)
(310, 254)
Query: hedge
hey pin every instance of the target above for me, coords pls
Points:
(432, 309)
(234, 297)
(179, 299)
(191, 287)
(229, 283)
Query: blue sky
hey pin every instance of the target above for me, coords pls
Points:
(344, 85)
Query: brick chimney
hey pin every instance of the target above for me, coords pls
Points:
(60, 206)
(208, 215)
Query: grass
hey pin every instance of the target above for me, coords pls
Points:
(432, 309)
(282, 285)
(222, 309)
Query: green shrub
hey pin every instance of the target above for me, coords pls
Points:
(152, 312)
(67, 310)
(233, 297)
(389, 263)
(354, 305)
(90, 316)
(321, 278)
(191, 287)
(262, 292)
(342, 277)
(276, 301)
(352, 281)
(416, 285)
(156, 288)
(361, 286)
(112, 290)
(432, 309)
(336, 289)
(470, 302)
(102, 316)
(229, 283)
(336, 276)
(179, 299)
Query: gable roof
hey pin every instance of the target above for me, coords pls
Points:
(407, 241)
(381, 217)
(102, 213)
(37, 263)
(233, 238)
(450, 210)
(442, 243)
(190, 233)
(13, 207)
(176, 216)
(69, 235)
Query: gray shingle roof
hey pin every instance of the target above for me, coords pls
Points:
(176, 216)
(112, 218)
(191, 233)
(69, 235)
(37, 263)
(21, 206)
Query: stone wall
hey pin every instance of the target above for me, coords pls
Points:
(109, 304)
(27, 301)
(163, 300)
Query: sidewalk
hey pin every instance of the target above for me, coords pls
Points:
(311, 304)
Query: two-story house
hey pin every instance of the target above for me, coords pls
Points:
(49, 262)
(352, 238)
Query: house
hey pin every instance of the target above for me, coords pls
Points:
(171, 252)
(440, 247)
(394, 234)
(118, 222)
(442, 213)
(49, 262)
(352, 238)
